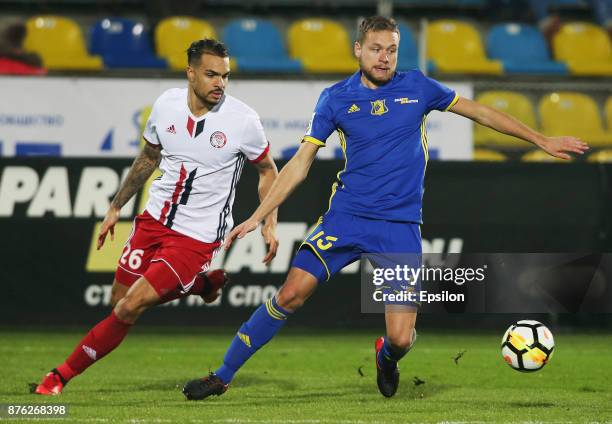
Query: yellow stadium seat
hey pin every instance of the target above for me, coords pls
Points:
(514, 104)
(456, 47)
(322, 45)
(585, 48)
(174, 35)
(576, 114)
(608, 111)
(59, 42)
(541, 156)
(485, 155)
(603, 156)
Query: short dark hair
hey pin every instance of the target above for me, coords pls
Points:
(208, 46)
(376, 23)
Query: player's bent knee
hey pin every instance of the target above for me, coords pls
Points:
(296, 290)
(129, 308)
(290, 298)
(402, 340)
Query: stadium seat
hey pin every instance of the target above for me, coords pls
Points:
(455, 47)
(408, 53)
(123, 43)
(257, 46)
(59, 42)
(322, 45)
(541, 156)
(585, 48)
(175, 34)
(486, 155)
(569, 113)
(602, 156)
(522, 49)
(512, 103)
(608, 112)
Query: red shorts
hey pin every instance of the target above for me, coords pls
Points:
(168, 260)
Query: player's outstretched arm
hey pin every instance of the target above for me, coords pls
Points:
(555, 146)
(142, 168)
(292, 174)
(267, 175)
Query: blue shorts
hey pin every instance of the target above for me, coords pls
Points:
(340, 239)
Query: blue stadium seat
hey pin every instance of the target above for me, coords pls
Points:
(522, 49)
(408, 51)
(257, 46)
(123, 43)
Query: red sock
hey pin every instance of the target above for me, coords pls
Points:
(100, 340)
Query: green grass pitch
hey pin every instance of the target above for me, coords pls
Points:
(315, 378)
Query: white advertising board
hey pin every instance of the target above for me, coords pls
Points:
(99, 117)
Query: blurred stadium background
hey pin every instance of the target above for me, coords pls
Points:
(79, 76)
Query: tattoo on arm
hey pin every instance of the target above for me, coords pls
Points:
(142, 168)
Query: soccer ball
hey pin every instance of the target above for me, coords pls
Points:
(527, 346)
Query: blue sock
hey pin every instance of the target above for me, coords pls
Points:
(253, 334)
(388, 357)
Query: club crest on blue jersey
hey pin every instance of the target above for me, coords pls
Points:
(379, 107)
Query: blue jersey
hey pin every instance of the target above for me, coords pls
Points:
(382, 134)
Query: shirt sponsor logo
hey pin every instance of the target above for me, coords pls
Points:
(405, 100)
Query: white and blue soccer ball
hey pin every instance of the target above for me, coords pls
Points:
(527, 346)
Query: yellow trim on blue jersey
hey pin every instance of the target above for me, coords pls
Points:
(318, 256)
(273, 312)
(314, 141)
(424, 139)
(342, 138)
(455, 100)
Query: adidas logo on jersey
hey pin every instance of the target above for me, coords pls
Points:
(353, 109)
(171, 129)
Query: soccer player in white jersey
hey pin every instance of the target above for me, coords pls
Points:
(200, 137)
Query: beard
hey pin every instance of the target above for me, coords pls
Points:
(376, 80)
(206, 100)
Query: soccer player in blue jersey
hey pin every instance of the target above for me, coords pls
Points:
(375, 205)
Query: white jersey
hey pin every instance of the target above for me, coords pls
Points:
(202, 159)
